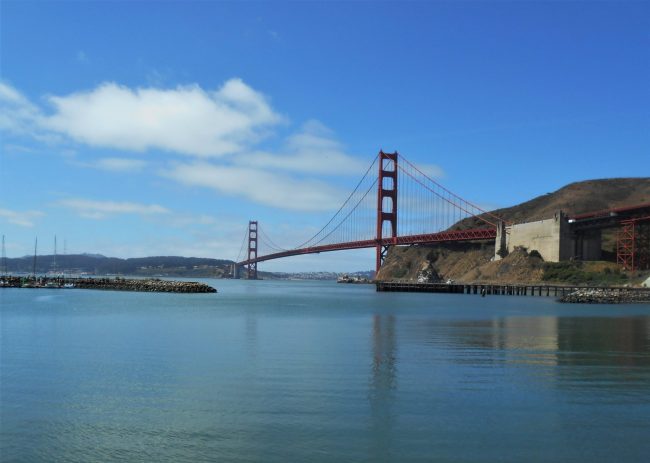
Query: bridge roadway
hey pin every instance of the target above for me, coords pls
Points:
(608, 218)
(578, 223)
(456, 235)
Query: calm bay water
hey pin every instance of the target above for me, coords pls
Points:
(314, 371)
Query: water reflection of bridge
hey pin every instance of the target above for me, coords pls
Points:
(382, 385)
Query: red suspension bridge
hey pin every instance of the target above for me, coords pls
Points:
(430, 213)
(427, 214)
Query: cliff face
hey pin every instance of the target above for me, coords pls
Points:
(449, 260)
(468, 262)
(471, 262)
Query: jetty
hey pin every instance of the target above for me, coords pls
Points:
(608, 296)
(110, 284)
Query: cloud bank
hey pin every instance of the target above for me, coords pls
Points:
(102, 209)
(222, 130)
(21, 218)
(119, 164)
(186, 119)
(269, 188)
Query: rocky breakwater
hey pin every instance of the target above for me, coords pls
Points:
(145, 285)
(608, 296)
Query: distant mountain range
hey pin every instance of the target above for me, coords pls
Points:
(97, 264)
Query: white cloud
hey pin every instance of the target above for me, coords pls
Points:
(17, 114)
(272, 189)
(18, 149)
(22, 218)
(205, 124)
(119, 164)
(101, 209)
(432, 170)
(11, 95)
(186, 119)
(184, 220)
(312, 150)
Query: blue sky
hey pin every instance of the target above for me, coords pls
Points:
(161, 128)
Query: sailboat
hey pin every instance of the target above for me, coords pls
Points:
(56, 282)
(32, 283)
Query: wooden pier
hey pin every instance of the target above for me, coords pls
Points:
(489, 289)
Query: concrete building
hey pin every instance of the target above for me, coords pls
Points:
(552, 238)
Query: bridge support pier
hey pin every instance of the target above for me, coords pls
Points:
(588, 244)
(386, 203)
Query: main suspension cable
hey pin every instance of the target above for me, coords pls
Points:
(451, 193)
(241, 249)
(349, 213)
(342, 206)
(268, 241)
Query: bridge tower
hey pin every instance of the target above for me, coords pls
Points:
(252, 249)
(386, 210)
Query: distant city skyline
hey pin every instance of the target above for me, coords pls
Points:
(134, 129)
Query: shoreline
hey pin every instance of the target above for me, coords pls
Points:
(607, 296)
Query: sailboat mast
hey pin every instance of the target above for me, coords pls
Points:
(35, 250)
(4, 256)
(54, 263)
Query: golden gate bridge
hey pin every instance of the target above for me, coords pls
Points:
(428, 213)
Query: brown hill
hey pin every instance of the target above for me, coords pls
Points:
(575, 198)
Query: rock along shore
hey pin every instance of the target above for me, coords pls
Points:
(608, 296)
(114, 284)
(148, 285)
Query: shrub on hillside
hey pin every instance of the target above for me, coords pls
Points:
(573, 272)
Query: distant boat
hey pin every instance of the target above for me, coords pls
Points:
(345, 278)
(68, 285)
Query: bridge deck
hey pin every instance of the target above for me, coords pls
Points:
(446, 236)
